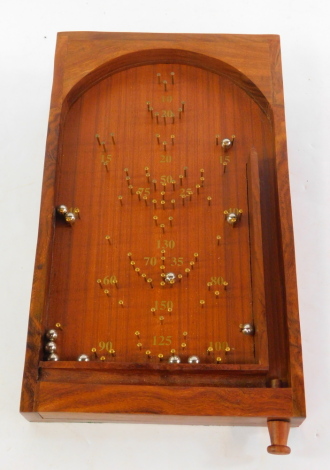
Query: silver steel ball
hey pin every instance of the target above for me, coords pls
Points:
(174, 360)
(51, 335)
(70, 218)
(226, 143)
(83, 358)
(53, 357)
(62, 209)
(50, 347)
(247, 329)
(170, 277)
(193, 360)
(232, 218)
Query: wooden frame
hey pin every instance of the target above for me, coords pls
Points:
(271, 389)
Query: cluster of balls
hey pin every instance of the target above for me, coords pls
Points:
(50, 346)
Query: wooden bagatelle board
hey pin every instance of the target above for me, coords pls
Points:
(165, 262)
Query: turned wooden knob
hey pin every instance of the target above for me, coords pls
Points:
(279, 432)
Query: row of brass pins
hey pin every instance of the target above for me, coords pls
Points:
(164, 143)
(112, 353)
(158, 75)
(103, 143)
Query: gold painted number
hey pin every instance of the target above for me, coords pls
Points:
(163, 304)
(110, 280)
(167, 99)
(165, 158)
(165, 244)
(152, 261)
(224, 159)
(217, 281)
(162, 340)
(166, 179)
(219, 345)
(167, 113)
(105, 345)
(144, 191)
(176, 261)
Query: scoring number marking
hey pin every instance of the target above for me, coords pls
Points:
(167, 99)
(105, 345)
(217, 281)
(110, 280)
(162, 340)
(166, 179)
(165, 159)
(220, 346)
(163, 304)
(150, 260)
(161, 244)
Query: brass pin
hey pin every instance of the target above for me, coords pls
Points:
(202, 172)
(148, 353)
(158, 138)
(183, 346)
(185, 171)
(130, 187)
(185, 334)
(209, 199)
(105, 164)
(173, 184)
(163, 259)
(183, 198)
(113, 138)
(173, 203)
(106, 292)
(148, 177)
(76, 211)
(154, 183)
(139, 345)
(192, 264)
(138, 195)
(102, 358)
(187, 271)
(217, 139)
(172, 76)
(202, 179)
(127, 180)
(190, 193)
(126, 171)
(137, 334)
(170, 310)
(181, 179)
(225, 284)
(161, 319)
(133, 264)
(209, 350)
(202, 303)
(130, 256)
(149, 281)
(121, 303)
(157, 117)
(227, 349)
(163, 195)
(99, 281)
(112, 352)
(154, 201)
(146, 169)
(94, 353)
(145, 198)
(165, 85)
(179, 277)
(104, 147)
(115, 283)
(218, 239)
(216, 293)
(98, 138)
(120, 200)
(198, 188)
(164, 187)
(162, 226)
(196, 256)
(225, 166)
(148, 105)
(162, 283)
(209, 285)
(180, 112)
(218, 360)
(163, 252)
(160, 357)
(137, 270)
(59, 326)
(158, 77)
(153, 310)
(155, 219)
(171, 221)
(144, 276)
(173, 351)
(162, 204)
(107, 237)
(164, 146)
